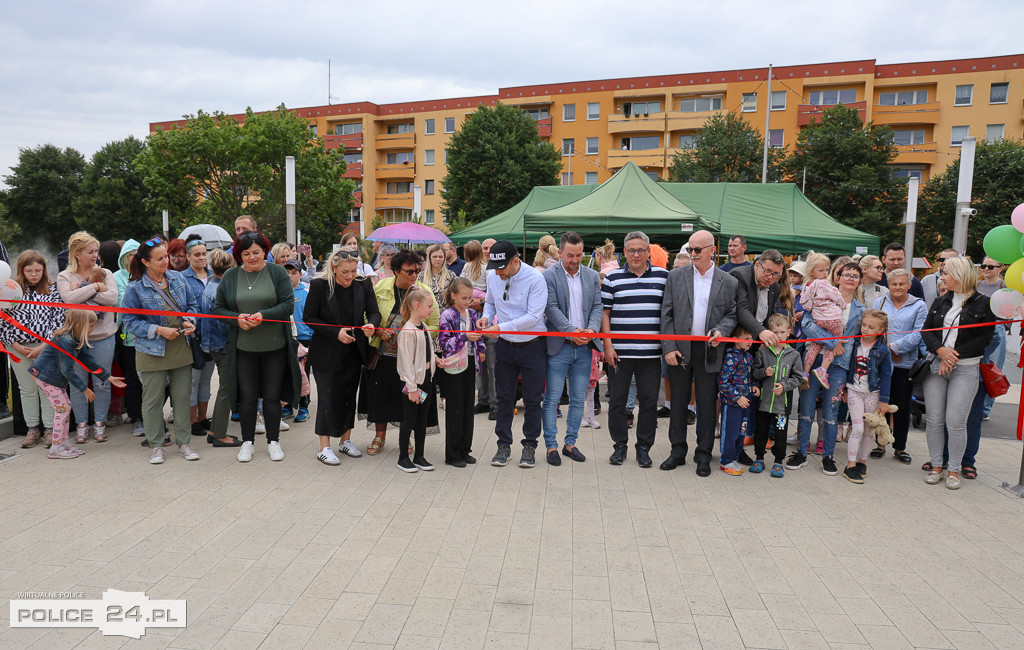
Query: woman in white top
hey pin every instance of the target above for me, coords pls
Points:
(870, 291)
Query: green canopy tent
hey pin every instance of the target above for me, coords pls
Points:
(772, 215)
(630, 200)
(509, 224)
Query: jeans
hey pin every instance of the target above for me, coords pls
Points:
(103, 352)
(998, 357)
(949, 400)
(572, 361)
(512, 362)
(32, 398)
(829, 408)
(732, 432)
(974, 422)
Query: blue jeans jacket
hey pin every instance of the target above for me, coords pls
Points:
(879, 369)
(212, 331)
(195, 285)
(143, 294)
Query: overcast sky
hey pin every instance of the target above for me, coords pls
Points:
(81, 74)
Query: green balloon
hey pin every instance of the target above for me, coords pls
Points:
(1003, 243)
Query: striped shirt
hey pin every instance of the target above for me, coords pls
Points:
(634, 303)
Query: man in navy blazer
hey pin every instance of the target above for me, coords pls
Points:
(574, 306)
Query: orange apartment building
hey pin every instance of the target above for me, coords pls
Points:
(396, 152)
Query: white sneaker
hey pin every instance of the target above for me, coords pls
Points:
(137, 429)
(157, 456)
(276, 453)
(593, 423)
(349, 449)
(245, 452)
(188, 452)
(260, 426)
(327, 457)
(284, 426)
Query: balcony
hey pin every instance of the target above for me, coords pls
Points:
(927, 113)
(544, 127)
(395, 141)
(358, 198)
(386, 201)
(619, 123)
(807, 113)
(354, 170)
(680, 121)
(644, 158)
(352, 141)
(916, 154)
(400, 171)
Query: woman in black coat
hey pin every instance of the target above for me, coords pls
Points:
(339, 297)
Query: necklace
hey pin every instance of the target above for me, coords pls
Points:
(160, 283)
(249, 274)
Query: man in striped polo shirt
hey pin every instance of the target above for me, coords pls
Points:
(631, 296)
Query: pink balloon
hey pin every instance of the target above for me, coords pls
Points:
(1017, 217)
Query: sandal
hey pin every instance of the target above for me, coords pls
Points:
(877, 452)
(969, 472)
(374, 447)
(902, 456)
(927, 466)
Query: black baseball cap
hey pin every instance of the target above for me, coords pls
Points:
(502, 253)
(293, 264)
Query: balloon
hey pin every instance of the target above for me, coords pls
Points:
(1006, 303)
(1002, 244)
(10, 290)
(1013, 276)
(1017, 217)
(5, 271)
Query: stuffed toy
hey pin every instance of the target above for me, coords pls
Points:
(878, 427)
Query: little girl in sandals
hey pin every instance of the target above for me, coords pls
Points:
(826, 304)
(54, 371)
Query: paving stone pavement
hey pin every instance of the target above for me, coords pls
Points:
(586, 555)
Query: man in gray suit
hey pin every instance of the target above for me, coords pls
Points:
(758, 294)
(574, 306)
(700, 300)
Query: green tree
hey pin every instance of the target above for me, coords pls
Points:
(848, 172)
(494, 161)
(995, 192)
(112, 203)
(43, 187)
(239, 168)
(726, 150)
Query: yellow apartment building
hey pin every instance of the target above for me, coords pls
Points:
(397, 152)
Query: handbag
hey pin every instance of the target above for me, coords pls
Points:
(922, 367)
(995, 381)
(370, 362)
(198, 356)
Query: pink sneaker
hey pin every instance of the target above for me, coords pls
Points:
(822, 376)
(820, 449)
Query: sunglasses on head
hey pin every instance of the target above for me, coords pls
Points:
(156, 241)
(195, 242)
(345, 254)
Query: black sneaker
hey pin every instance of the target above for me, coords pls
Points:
(664, 412)
(469, 459)
(691, 418)
(862, 468)
(493, 415)
(481, 408)
(796, 460)
(828, 466)
(406, 465)
(527, 459)
(422, 463)
(502, 456)
(852, 475)
(643, 458)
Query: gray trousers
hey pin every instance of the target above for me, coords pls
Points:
(153, 384)
(948, 402)
(486, 391)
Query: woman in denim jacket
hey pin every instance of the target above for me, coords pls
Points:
(161, 352)
(214, 336)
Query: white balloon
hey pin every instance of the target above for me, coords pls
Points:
(1006, 303)
(5, 271)
(10, 290)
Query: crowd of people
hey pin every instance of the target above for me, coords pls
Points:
(393, 339)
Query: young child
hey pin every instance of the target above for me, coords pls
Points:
(589, 420)
(867, 389)
(416, 363)
(778, 369)
(53, 372)
(734, 390)
(826, 306)
(459, 386)
(303, 333)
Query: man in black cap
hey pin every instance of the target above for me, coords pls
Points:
(516, 299)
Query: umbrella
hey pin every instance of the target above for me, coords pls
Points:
(214, 236)
(409, 232)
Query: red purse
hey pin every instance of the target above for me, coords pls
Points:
(996, 383)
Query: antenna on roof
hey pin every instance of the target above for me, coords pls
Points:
(329, 95)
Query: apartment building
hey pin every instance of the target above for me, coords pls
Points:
(396, 153)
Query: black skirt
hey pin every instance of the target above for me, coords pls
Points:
(381, 398)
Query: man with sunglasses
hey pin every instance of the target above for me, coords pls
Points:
(700, 300)
(758, 294)
(931, 282)
(517, 296)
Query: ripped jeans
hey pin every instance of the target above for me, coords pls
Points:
(829, 408)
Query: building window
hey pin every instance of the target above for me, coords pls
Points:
(312, 129)
(964, 95)
(959, 133)
(356, 158)
(568, 146)
(566, 178)
(568, 112)
(592, 144)
(687, 141)
(700, 104)
(449, 125)
(907, 173)
(749, 102)
(428, 157)
(641, 144)
(994, 132)
(428, 216)
(593, 110)
(590, 178)
(404, 127)
(636, 109)
(537, 114)
(404, 157)
(776, 138)
(348, 129)
(999, 93)
(401, 187)
(903, 137)
(832, 97)
(396, 215)
(653, 176)
(778, 100)
(903, 98)
(428, 187)
(428, 127)
(446, 156)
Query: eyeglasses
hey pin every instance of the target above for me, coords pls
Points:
(771, 274)
(989, 267)
(850, 276)
(697, 250)
(636, 251)
(156, 241)
(411, 271)
(504, 296)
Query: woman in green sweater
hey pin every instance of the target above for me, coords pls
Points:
(261, 355)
